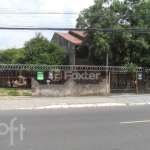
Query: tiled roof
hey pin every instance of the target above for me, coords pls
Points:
(80, 33)
(71, 38)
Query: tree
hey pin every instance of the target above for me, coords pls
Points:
(12, 56)
(125, 47)
(39, 50)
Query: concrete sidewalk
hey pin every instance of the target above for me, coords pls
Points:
(128, 99)
(11, 103)
(14, 103)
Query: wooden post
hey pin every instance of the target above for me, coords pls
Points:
(109, 83)
(137, 90)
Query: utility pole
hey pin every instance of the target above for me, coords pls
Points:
(107, 83)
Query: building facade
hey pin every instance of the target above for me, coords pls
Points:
(70, 42)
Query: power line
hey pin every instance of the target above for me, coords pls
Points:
(136, 16)
(38, 16)
(38, 12)
(24, 11)
(130, 30)
(40, 25)
(35, 10)
(75, 16)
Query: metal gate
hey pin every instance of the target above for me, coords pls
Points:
(122, 83)
(144, 83)
(130, 83)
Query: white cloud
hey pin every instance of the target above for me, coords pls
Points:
(17, 38)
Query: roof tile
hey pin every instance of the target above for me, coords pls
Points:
(80, 33)
(71, 38)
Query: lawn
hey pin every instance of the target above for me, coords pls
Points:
(14, 92)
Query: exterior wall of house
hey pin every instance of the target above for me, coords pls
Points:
(68, 46)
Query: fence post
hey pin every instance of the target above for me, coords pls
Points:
(107, 70)
(137, 90)
(109, 84)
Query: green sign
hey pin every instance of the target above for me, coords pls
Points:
(40, 75)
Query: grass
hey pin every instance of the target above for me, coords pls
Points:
(2, 90)
(26, 93)
(14, 92)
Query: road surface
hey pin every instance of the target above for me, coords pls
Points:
(104, 128)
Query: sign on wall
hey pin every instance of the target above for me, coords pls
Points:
(40, 75)
(50, 74)
(140, 76)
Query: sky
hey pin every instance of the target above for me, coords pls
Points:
(14, 38)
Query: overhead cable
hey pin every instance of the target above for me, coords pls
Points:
(133, 30)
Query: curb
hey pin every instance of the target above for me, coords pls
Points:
(139, 104)
(67, 106)
(75, 106)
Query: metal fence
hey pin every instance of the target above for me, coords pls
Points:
(130, 83)
(16, 79)
(35, 67)
(144, 84)
(22, 79)
(122, 83)
(121, 79)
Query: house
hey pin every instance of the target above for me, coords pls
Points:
(70, 42)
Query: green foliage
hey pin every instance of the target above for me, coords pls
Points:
(38, 50)
(124, 47)
(12, 56)
(132, 67)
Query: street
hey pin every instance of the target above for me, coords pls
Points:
(103, 128)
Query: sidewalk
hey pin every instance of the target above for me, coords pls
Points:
(15, 103)
(128, 99)
(12, 103)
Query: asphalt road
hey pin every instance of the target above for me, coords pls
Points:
(105, 128)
